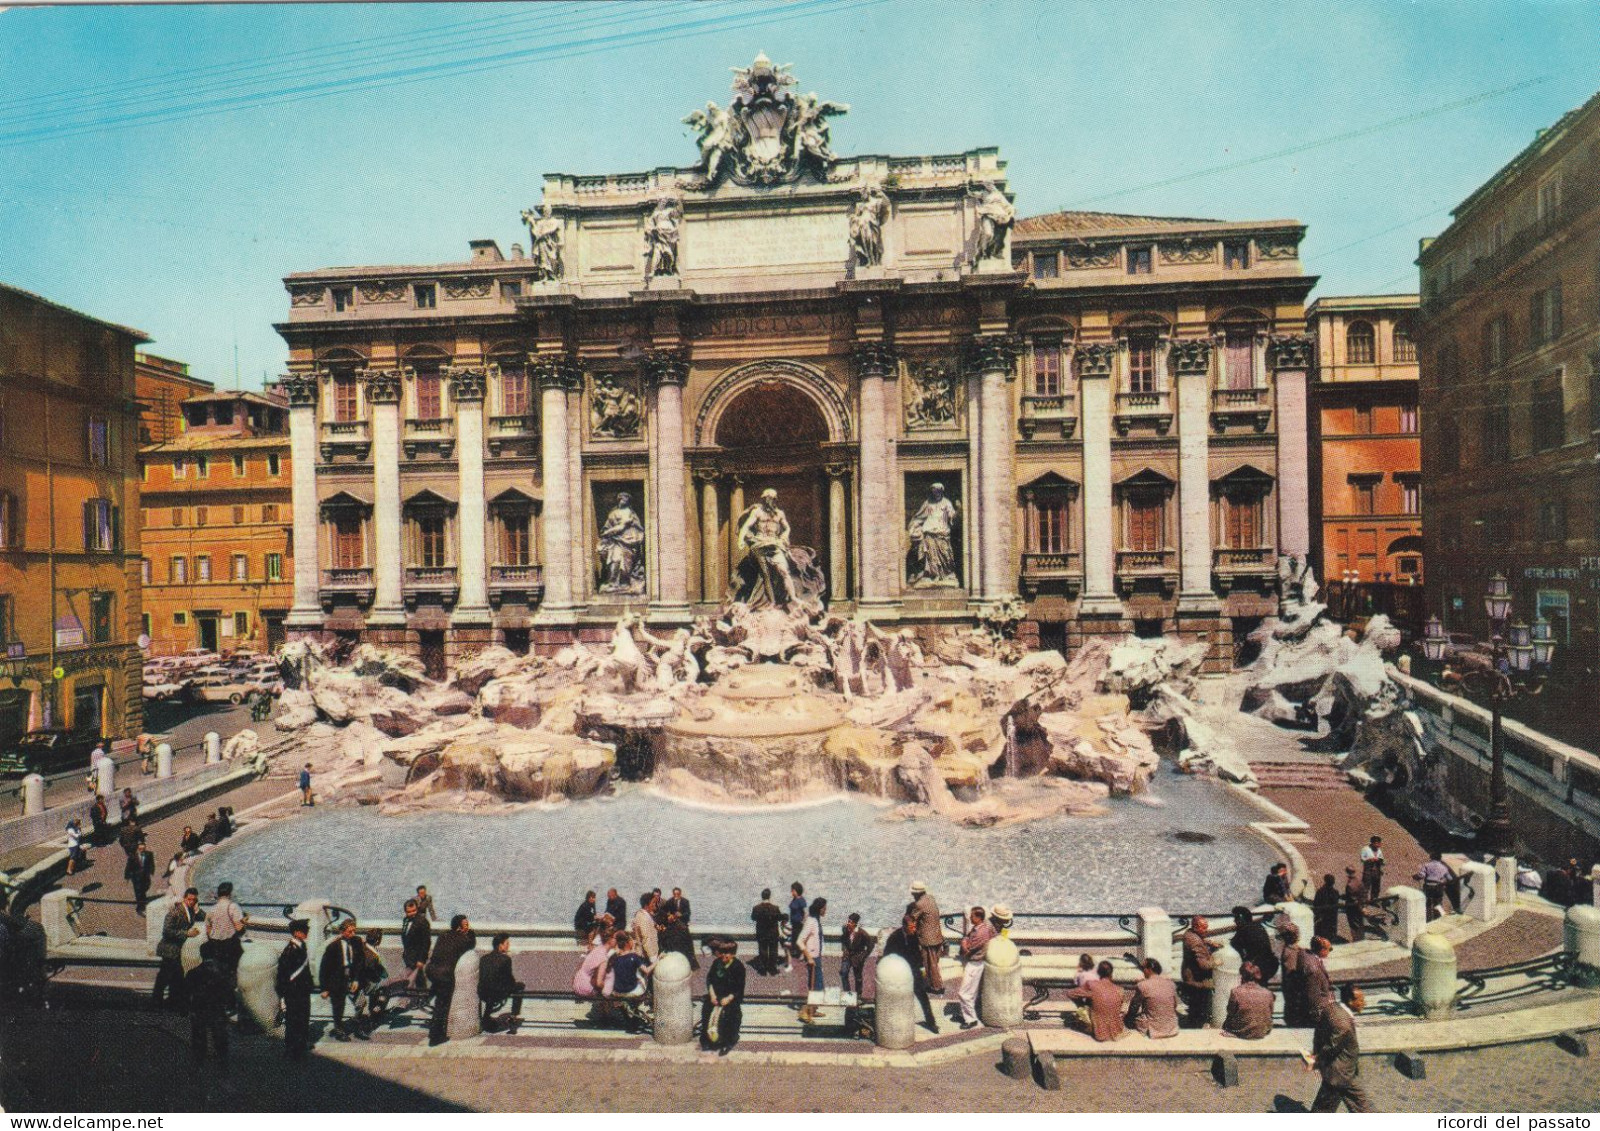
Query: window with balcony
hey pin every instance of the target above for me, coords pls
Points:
(1239, 358)
(1138, 261)
(1360, 344)
(513, 388)
(1145, 526)
(1405, 342)
(1046, 264)
(430, 398)
(1142, 364)
(348, 551)
(99, 526)
(99, 441)
(1050, 530)
(1047, 364)
(274, 563)
(1235, 255)
(1549, 415)
(516, 544)
(426, 296)
(346, 398)
(178, 571)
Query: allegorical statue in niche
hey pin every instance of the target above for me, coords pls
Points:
(933, 398)
(622, 549)
(614, 409)
(774, 573)
(544, 249)
(995, 217)
(866, 225)
(662, 226)
(933, 559)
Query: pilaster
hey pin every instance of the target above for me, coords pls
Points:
(1290, 356)
(1095, 362)
(383, 401)
(993, 357)
(1191, 361)
(557, 378)
(666, 371)
(302, 390)
(876, 367)
(472, 570)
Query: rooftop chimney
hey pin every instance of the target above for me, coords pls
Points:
(517, 252)
(485, 251)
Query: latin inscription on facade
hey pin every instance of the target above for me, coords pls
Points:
(764, 241)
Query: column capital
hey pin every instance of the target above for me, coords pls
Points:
(707, 474)
(876, 359)
(836, 470)
(556, 372)
(666, 367)
(989, 352)
(300, 388)
(1191, 356)
(466, 383)
(1096, 359)
(1290, 351)
(383, 385)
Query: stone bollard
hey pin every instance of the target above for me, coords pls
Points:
(1224, 977)
(465, 1010)
(1016, 1057)
(1000, 992)
(55, 916)
(1410, 912)
(315, 913)
(674, 993)
(108, 780)
(213, 747)
(258, 981)
(1505, 884)
(155, 917)
(32, 795)
(896, 1004)
(1433, 976)
(1300, 915)
(1580, 932)
(1480, 885)
(164, 760)
(1155, 935)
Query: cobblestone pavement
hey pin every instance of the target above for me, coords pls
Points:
(129, 1066)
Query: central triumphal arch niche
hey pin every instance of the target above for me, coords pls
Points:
(778, 426)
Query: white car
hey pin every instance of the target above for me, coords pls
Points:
(158, 691)
(220, 688)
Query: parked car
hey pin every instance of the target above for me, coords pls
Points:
(161, 689)
(220, 688)
(47, 752)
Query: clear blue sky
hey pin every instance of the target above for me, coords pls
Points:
(185, 227)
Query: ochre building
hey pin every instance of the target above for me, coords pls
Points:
(217, 558)
(1510, 396)
(1366, 449)
(1101, 416)
(162, 385)
(69, 559)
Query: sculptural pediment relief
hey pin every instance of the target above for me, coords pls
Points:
(765, 135)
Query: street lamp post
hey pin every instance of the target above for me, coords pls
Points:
(1529, 651)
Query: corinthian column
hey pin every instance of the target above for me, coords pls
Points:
(667, 371)
(1192, 362)
(1095, 362)
(991, 357)
(711, 575)
(383, 399)
(838, 535)
(556, 379)
(1291, 357)
(302, 389)
(472, 570)
(875, 368)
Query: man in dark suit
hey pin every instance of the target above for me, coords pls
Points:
(1199, 960)
(1336, 1053)
(724, 989)
(294, 987)
(854, 947)
(1251, 943)
(768, 918)
(416, 940)
(617, 908)
(139, 870)
(496, 984)
(343, 962)
(442, 972)
(181, 924)
(675, 934)
(583, 919)
(209, 991)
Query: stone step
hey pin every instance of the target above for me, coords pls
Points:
(1299, 775)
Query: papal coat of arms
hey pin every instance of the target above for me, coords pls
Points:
(766, 135)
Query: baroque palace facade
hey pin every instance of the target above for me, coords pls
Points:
(1103, 416)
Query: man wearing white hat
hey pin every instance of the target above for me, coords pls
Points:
(930, 934)
(974, 949)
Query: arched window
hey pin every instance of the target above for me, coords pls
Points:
(1360, 344)
(1405, 341)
